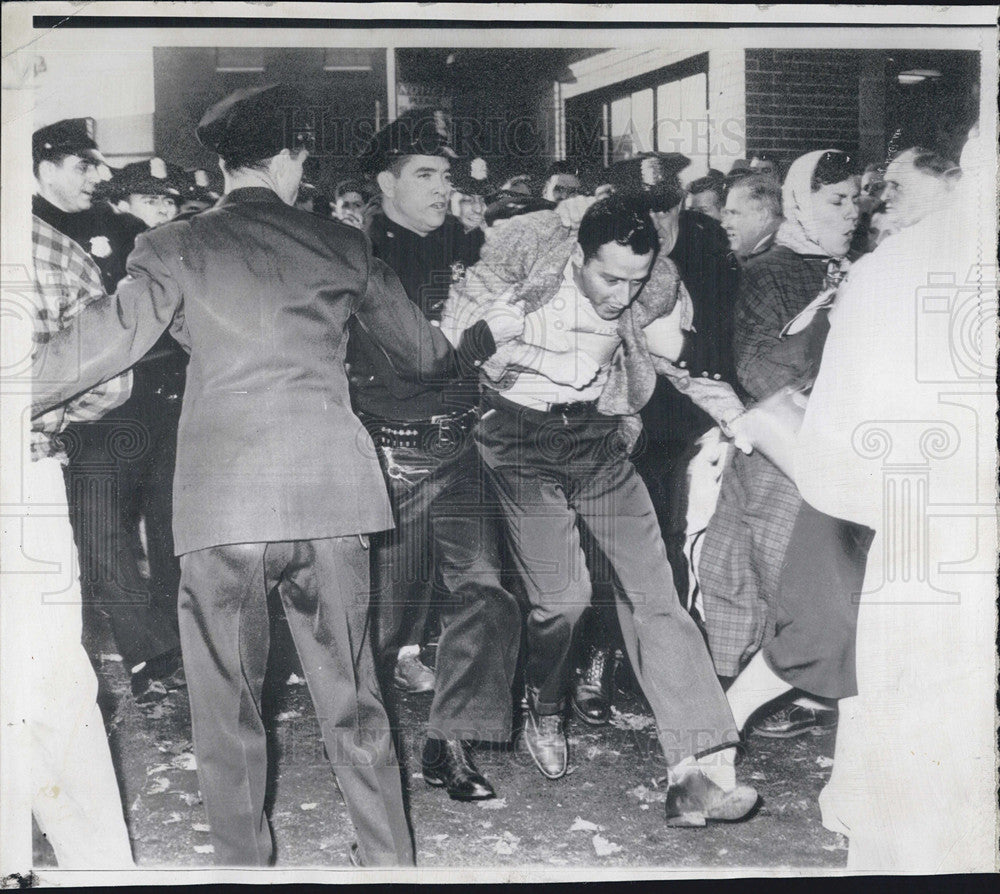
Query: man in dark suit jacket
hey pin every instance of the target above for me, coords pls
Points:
(277, 483)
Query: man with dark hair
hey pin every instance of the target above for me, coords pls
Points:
(149, 190)
(446, 545)
(671, 423)
(707, 195)
(752, 215)
(349, 203)
(277, 485)
(599, 306)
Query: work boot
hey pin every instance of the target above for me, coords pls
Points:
(593, 688)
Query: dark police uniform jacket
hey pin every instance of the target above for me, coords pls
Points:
(426, 266)
(260, 294)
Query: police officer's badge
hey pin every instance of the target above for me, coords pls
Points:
(100, 247)
(457, 271)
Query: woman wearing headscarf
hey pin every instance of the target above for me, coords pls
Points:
(747, 542)
(887, 434)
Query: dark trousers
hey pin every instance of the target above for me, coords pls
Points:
(565, 484)
(446, 549)
(121, 468)
(816, 606)
(323, 585)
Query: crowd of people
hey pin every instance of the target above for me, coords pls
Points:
(539, 427)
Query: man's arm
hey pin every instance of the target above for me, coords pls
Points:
(109, 335)
(415, 348)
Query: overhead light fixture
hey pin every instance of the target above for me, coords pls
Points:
(917, 75)
(244, 60)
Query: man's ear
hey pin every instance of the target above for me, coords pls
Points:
(45, 166)
(386, 183)
(577, 255)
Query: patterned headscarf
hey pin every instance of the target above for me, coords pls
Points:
(798, 231)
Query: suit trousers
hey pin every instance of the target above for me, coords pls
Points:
(446, 548)
(566, 486)
(225, 634)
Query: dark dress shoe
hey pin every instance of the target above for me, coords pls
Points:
(447, 764)
(545, 739)
(696, 801)
(593, 687)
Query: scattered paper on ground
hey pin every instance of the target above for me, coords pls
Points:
(603, 847)
(824, 761)
(309, 806)
(582, 825)
(507, 844)
(288, 715)
(200, 827)
(204, 849)
(184, 761)
(625, 720)
(160, 784)
(493, 804)
(294, 680)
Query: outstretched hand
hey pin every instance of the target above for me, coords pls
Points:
(571, 210)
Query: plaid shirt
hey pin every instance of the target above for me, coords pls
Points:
(66, 281)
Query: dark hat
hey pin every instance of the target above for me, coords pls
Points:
(256, 123)
(472, 177)
(647, 169)
(153, 177)
(416, 132)
(71, 136)
(514, 205)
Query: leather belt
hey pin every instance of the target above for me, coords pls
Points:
(445, 429)
(575, 410)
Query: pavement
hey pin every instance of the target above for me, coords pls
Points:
(607, 812)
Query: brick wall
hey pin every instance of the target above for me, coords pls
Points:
(800, 100)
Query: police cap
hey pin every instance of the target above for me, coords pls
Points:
(256, 123)
(152, 177)
(71, 136)
(416, 132)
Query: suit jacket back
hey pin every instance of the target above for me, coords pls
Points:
(268, 446)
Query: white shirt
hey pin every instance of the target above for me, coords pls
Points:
(569, 323)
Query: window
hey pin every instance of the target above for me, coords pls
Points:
(663, 111)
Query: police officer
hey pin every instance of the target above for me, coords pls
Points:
(120, 466)
(447, 526)
(149, 190)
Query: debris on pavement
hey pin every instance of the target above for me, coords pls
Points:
(625, 720)
(603, 847)
(493, 804)
(160, 784)
(582, 825)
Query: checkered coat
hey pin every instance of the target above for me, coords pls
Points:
(745, 544)
(66, 280)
